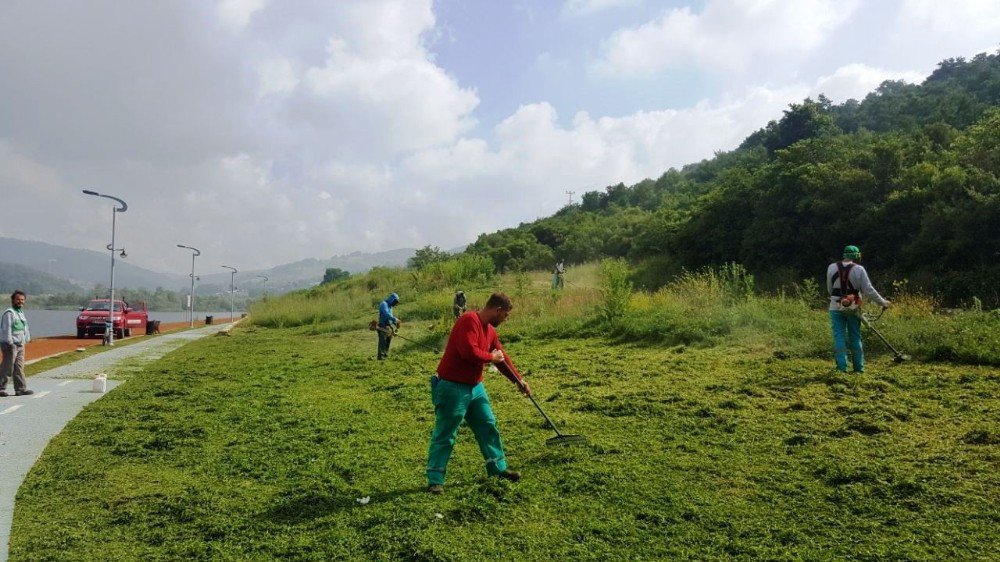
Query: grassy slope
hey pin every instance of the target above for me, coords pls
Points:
(258, 445)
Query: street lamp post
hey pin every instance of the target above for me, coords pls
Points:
(265, 284)
(195, 252)
(232, 288)
(109, 328)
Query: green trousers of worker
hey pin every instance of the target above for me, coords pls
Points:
(454, 402)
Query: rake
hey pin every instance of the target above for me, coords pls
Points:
(560, 438)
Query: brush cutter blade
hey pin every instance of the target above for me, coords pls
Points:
(567, 440)
(900, 358)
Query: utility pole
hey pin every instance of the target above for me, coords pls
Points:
(570, 193)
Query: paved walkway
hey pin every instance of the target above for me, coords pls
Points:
(27, 423)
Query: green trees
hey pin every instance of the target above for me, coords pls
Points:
(426, 256)
(807, 120)
(334, 273)
(911, 174)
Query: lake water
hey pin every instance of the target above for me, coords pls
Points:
(47, 323)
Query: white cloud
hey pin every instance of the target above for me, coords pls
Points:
(394, 103)
(276, 76)
(938, 30)
(725, 36)
(857, 80)
(535, 159)
(258, 147)
(236, 14)
(577, 8)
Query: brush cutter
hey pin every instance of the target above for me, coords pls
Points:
(867, 320)
(390, 332)
(560, 438)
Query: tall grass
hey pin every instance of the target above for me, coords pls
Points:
(710, 307)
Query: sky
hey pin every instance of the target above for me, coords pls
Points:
(266, 131)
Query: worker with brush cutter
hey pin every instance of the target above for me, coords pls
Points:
(457, 391)
(386, 321)
(846, 281)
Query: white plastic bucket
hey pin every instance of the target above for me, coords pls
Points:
(101, 383)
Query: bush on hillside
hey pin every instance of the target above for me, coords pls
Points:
(616, 288)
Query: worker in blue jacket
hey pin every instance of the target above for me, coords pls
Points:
(386, 322)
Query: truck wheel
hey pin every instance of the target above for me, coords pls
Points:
(80, 333)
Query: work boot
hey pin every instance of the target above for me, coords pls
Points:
(3, 394)
(435, 489)
(24, 392)
(510, 475)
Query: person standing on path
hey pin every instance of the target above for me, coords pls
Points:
(457, 391)
(846, 281)
(386, 321)
(14, 334)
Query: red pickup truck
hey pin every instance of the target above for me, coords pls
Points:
(93, 318)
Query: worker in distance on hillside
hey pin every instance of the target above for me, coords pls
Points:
(457, 391)
(458, 304)
(557, 275)
(386, 322)
(846, 281)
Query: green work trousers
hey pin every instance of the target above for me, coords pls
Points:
(454, 402)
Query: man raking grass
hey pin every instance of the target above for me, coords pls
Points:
(457, 391)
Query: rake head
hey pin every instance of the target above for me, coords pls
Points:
(566, 440)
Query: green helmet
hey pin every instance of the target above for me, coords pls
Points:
(852, 252)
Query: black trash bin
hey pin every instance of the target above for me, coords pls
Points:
(152, 327)
(208, 320)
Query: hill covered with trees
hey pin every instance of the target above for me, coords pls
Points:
(15, 276)
(911, 174)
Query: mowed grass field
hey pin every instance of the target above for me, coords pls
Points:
(259, 446)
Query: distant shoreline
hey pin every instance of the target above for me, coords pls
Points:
(50, 346)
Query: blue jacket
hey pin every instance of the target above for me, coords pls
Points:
(385, 317)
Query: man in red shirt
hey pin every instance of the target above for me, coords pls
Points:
(458, 392)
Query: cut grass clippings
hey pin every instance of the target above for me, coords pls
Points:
(258, 446)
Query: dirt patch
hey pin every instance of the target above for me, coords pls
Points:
(41, 348)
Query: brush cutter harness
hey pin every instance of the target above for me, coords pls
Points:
(850, 298)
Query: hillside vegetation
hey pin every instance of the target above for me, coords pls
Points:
(911, 174)
(717, 430)
(14, 276)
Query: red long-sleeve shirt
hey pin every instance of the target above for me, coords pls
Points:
(469, 349)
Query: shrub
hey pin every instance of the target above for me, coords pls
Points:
(616, 288)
